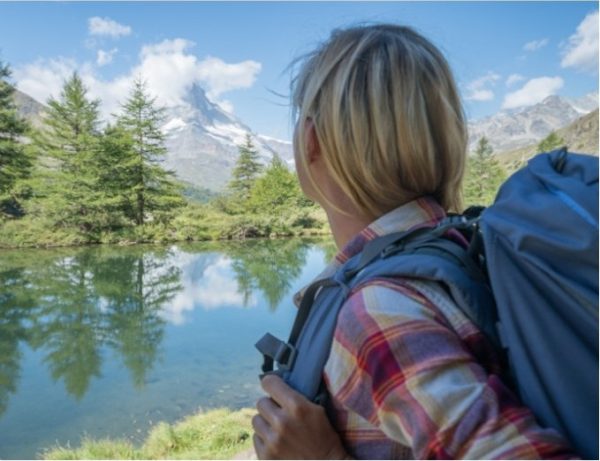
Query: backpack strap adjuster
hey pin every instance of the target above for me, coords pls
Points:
(285, 355)
(276, 350)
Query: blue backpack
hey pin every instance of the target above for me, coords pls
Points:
(528, 280)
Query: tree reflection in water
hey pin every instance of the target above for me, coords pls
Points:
(14, 301)
(72, 307)
(270, 266)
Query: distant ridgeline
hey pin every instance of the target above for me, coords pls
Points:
(195, 172)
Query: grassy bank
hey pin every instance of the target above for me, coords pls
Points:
(192, 223)
(216, 434)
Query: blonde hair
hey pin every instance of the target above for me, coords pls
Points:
(387, 117)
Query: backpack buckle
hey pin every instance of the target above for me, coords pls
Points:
(391, 250)
(285, 355)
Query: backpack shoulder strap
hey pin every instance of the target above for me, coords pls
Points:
(448, 263)
(420, 254)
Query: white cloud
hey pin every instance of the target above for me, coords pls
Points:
(105, 57)
(216, 289)
(226, 105)
(44, 78)
(514, 78)
(108, 27)
(221, 77)
(534, 91)
(168, 68)
(535, 44)
(480, 95)
(175, 46)
(581, 51)
(478, 89)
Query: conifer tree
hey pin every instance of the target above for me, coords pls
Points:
(484, 175)
(245, 172)
(71, 139)
(550, 142)
(15, 161)
(114, 175)
(276, 189)
(153, 188)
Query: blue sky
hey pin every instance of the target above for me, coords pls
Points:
(504, 54)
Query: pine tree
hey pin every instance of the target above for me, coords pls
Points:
(276, 189)
(15, 161)
(153, 188)
(484, 175)
(71, 140)
(550, 142)
(114, 177)
(245, 172)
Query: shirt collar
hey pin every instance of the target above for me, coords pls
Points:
(422, 212)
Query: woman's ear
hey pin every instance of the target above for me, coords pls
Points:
(313, 147)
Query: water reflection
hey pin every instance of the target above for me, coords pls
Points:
(72, 307)
(133, 289)
(207, 283)
(269, 266)
(75, 306)
(15, 302)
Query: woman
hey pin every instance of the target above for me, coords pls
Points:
(380, 143)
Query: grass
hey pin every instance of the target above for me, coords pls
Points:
(191, 223)
(216, 434)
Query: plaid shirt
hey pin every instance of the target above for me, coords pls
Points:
(410, 376)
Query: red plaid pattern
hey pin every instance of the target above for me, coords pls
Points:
(410, 376)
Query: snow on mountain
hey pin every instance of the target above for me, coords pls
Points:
(202, 141)
(283, 148)
(512, 129)
(585, 104)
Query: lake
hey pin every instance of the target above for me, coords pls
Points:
(107, 341)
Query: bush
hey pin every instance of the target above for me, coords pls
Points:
(195, 222)
(28, 232)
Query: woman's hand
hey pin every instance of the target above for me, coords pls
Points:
(289, 426)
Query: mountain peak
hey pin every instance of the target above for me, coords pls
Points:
(197, 108)
(203, 141)
(553, 99)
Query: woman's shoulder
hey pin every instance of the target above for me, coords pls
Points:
(385, 303)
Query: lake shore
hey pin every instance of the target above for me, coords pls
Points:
(215, 434)
(26, 233)
(193, 224)
(106, 340)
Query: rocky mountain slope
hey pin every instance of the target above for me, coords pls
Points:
(580, 136)
(512, 129)
(203, 139)
(28, 108)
